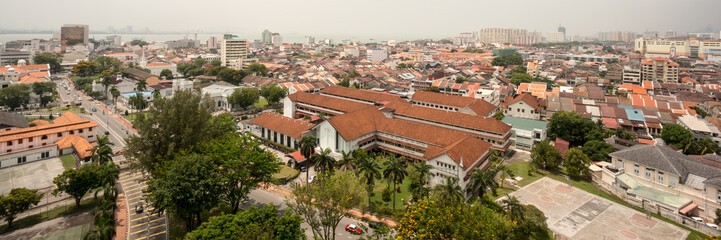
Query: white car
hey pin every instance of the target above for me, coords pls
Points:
(698, 219)
(311, 179)
(711, 225)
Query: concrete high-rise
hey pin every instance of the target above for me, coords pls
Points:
(232, 51)
(277, 40)
(507, 35)
(267, 37)
(73, 34)
(562, 29)
(212, 43)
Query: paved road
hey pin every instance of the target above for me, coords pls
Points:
(142, 225)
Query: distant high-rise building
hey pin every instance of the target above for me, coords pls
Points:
(376, 55)
(232, 51)
(309, 39)
(73, 34)
(506, 35)
(212, 43)
(267, 37)
(554, 37)
(670, 34)
(115, 39)
(562, 29)
(277, 40)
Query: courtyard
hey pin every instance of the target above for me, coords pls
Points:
(577, 214)
(32, 175)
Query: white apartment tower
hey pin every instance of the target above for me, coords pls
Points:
(232, 51)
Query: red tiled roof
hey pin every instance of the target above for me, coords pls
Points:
(285, 125)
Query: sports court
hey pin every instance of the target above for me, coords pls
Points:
(32, 175)
(577, 214)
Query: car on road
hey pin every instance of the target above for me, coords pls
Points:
(107, 133)
(303, 168)
(311, 179)
(711, 225)
(375, 225)
(139, 208)
(352, 228)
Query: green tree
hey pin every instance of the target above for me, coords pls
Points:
(623, 134)
(216, 63)
(545, 156)
(701, 147)
(84, 68)
(52, 59)
(141, 85)
(46, 91)
(76, 183)
(258, 68)
(115, 93)
(273, 93)
(369, 170)
(106, 63)
(138, 102)
(347, 161)
(189, 187)
(138, 42)
(717, 220)
(532, 225)
(243, 165)
(395, 172)
(576, 163)
(254, 223)
(419, 179)
(171, 126)
(449, 192)
(102, 152)
(15, 96)
(307, 149)
(481, 181)
(106, 80)
(323, 162)
(518, 78)
(676, 135)
(166, 74)
(231, 76)
(461, 80)
(244, 97)
(598, 150)
(510, 59)
(324, 205)
(17, 201)
(571, 127)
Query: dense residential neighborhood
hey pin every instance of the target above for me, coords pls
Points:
(469, 130)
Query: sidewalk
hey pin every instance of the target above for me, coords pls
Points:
(121, 216)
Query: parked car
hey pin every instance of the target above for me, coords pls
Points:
(311, 179)
(711, 225)
(375, 225)
(139, 208)
(698, 219)
(352, 228)
(303, 168)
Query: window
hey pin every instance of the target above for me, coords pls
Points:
(619, 164)
(10, 143)
(91, 136)
(523, 110)
(20, 141)
(718, 196)
(648, 173)
(672, 182)
(636, 169)
(22, 160)
(90, 128)
(659, 177)
(44, 137)
(72, 132)
(60, 134)
(80, 130)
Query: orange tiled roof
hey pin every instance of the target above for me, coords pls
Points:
(327, 102)
(82, 146)
(69, 121)
(452, 118)
(285, 125)
(365, 95)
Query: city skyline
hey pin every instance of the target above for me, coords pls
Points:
(397, 19)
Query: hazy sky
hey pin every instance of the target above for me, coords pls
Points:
(366, 18)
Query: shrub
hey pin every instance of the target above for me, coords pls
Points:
(386, 195)
(243, 117)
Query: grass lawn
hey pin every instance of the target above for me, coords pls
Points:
(520, 169)
(69, 161)
(131, 116)
(260, 103)
(94, 77)
(377, 198)
(286, 172)
(67, 109)
(53, 213)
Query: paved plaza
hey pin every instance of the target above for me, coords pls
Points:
(577, 214)
(32, 175)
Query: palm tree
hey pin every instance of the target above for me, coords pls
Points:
(102, 152)
(141, 85)
(307, 148)
(450, 192)
(156, 92)
(370, 170)
(504, 170)
(424, 172)
(481, 181)
(513, 207)
(324, 162)
(347, 161)
(106, 81)
(115, 93)
(104, 229)
(395, 172)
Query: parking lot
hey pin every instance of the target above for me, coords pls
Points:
(142, 225)
(33, 175)
(577, 214)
